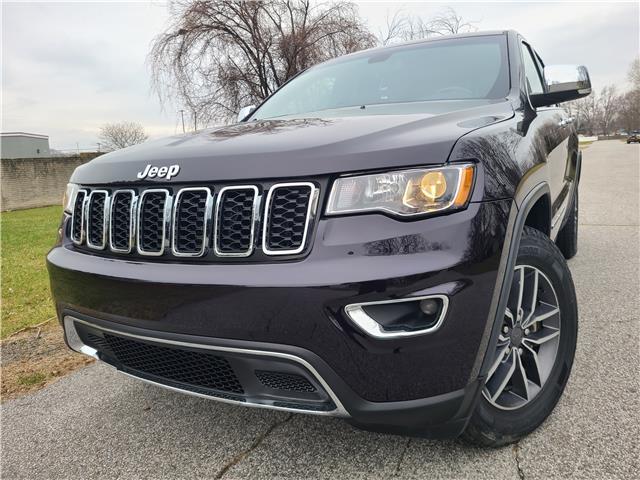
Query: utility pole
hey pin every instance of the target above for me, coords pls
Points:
(181, 112)
(78, 147)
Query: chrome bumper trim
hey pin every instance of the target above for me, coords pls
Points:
(75, 342)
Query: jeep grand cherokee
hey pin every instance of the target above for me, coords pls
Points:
(383, 239)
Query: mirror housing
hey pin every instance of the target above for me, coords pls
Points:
(245, 112)
(563, 83)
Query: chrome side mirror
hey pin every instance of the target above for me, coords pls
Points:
(563, 83)
(245, 112)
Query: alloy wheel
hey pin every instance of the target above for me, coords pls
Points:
(528, 343)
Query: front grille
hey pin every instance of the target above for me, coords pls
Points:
(151, 222)
(287, 212)
(198, 222)
(187, 367)
(190, 218)
(284, 381)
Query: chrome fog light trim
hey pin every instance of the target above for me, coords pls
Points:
(372, 328)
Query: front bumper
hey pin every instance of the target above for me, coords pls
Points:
(424, 383)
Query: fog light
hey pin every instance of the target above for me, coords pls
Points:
(399, 318)
(429, 306)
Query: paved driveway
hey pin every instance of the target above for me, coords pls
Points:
(97, 423)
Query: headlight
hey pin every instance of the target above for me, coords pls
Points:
(404, 192)
(69, 197)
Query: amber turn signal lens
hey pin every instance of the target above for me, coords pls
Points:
(466, 184)
(433, 185)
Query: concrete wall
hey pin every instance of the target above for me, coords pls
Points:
(36, 182)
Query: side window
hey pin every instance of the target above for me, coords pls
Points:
(531, 72)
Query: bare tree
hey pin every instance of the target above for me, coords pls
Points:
(586, 113)
(608, 106)
(404, 27)
(121, 135)
(448, 22)
(629, 111)
(634, 74)
(220, 55)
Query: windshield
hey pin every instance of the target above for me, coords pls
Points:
(454, 69)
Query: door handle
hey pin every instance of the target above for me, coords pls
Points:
(565, 121)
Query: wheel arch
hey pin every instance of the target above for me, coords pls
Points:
(539, 214)
(539, 195)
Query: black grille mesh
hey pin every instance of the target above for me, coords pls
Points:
(151, 222)
(198, 369)
(121, 220)
(284, 381)
(76, 226)
(95, 216)
(190, 221)
(287, 217)
(235, 218)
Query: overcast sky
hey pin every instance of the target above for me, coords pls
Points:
(68, 68)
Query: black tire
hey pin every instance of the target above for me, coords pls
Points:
(491, 426)
(567, 239)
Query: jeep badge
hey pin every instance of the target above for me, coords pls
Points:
(159, 172)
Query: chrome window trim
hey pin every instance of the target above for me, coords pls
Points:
(207, 222)
(105, 220)
(313, 198)
(368, 325)
(254, 216)
(132, 220)
(168, 204)
(82, 215)
(76, 343)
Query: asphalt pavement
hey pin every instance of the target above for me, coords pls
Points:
(97, 423)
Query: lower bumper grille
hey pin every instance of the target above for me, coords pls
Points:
(250, 377)
(184, 366)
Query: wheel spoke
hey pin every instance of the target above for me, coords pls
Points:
(543, 312)
(519, 380)
(542, 336)
(520, 289)
(531, 360)
(501, 353)
(534, 298)
(508, 314)
(501, 377)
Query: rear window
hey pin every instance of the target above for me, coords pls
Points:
(455, 69)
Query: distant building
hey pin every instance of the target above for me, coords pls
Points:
(23, 145)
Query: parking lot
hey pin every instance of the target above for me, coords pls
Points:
(97, 423)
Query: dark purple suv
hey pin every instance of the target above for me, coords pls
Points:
(383, 240)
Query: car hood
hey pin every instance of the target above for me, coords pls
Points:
(302, 147)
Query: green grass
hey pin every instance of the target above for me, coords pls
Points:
(27, 236)
(32, 379)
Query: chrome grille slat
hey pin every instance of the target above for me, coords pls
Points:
(287, 217)
(235, 221)
(154, 211)
(191, 222)
(78, 217)
(97, 218)
(122, 221)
